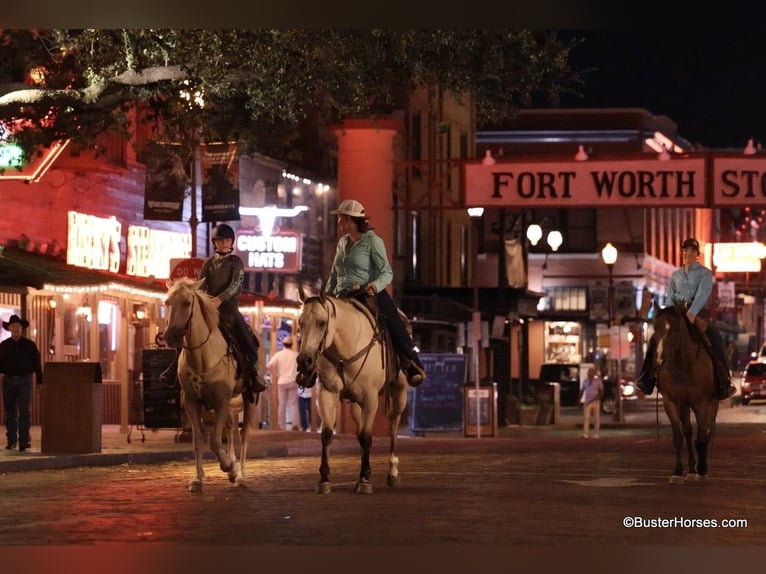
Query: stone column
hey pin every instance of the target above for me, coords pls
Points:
(365, 171)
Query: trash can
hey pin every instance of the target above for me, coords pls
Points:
(486, 394)
(72, 408)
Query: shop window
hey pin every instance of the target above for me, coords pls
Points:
(566, 299)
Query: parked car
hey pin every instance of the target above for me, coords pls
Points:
(753, 383)
(630, 392)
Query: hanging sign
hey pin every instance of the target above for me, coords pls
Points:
(279, 252)
(220, 182)
(166, 183)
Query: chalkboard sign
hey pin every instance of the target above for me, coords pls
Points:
(161, 402)
(437, 404)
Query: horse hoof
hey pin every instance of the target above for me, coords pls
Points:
(692, 477)
(392, 480)
(195, 485)
(240, 482)
(363, 488)
(324, 488)
(676, 479)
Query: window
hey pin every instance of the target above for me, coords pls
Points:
(566, 299)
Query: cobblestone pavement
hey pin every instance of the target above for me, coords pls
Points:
(527, 487)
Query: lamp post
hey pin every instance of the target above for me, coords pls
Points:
(476, 213)
(609, 257)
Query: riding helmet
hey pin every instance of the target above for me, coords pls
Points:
(222, 231)
(691, 243)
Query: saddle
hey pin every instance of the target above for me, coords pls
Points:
(368, 305)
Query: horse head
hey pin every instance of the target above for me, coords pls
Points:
(179, 303)
(314, 324)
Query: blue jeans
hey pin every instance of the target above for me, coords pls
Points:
(17, 395)
(304, 410)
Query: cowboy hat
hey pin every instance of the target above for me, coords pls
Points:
(287, 341)
(15, 319)
(350, 207)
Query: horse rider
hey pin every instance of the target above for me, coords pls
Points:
(361, 263)
(691, 284)
(223, 273)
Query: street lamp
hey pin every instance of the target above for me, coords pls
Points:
(476, 213)
(609, 256)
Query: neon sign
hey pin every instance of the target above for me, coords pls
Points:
(151, 250)
(93, 242)
(276, 253)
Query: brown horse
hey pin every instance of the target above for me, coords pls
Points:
(341, 344)
(686, 379)
(210, 389)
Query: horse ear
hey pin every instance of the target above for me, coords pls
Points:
(198, 284)
(301, 293)
(322, 293)
(169, 284)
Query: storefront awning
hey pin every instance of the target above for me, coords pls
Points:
(23, 268)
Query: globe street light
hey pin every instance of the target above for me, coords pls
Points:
(609, 257)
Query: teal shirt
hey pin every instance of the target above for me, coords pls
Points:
(366, 262)
(693, 287)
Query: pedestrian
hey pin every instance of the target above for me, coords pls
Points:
(361, 268)
(19, 360)
(692, 285)
(304, 408)
(224, 273)
(590, 395)
(283, 366)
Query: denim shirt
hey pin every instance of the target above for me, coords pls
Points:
(693, 287)
(366, 262)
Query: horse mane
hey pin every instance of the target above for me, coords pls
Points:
(209, 310)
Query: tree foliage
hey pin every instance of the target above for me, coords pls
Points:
(257, 86)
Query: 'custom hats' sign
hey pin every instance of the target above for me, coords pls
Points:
(279, 252)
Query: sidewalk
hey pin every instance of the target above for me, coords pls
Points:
(165, 445)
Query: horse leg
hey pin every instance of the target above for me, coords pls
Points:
(328, 408)
(225, 461)
(705, 415)
(194, 412)
(248, 416)
(686, 426)
(364, 417)
(671, 410)
(397, 406)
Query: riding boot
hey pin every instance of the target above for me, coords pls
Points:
(648, 378)
(413, 370)
(723, 378)
(169, 375)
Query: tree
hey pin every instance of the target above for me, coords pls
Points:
(257, 86)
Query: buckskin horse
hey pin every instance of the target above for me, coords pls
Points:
(341, 344)
(211, 392)
(686, 379)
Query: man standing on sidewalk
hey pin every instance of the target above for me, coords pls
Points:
(590, 396)
(283, 366)
(19, 359)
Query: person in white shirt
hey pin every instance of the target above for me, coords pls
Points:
(590, 395)
(283, 366)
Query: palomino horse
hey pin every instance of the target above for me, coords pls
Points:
(211, 393)
(342, 346)
(685, 377)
